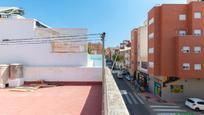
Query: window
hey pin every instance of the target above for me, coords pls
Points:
(182, 17)
(39, 25)
(186, 49)
(186, 66)
(201, 103)
(197, 49)
(182, 33)
(151, 64)
(197, 32)
(197, 15)
(151, 35)
(197, 67)
(151, 50)
(151, 21)
(191, 101)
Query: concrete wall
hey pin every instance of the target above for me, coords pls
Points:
(39, 55)
(39, 61)
(70, 74)
(113, 103)
(36, 54)
(16, 28)
(192, 88)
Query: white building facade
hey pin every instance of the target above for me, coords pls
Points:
(51, 61)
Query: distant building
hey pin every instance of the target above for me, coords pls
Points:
(188, 1)
(139, 53)
(125, 51)
(95, 48)
(134, 37)
(108, 53)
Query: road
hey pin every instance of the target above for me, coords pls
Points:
(139, 106)
(135, 105)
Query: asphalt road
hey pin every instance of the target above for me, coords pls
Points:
(138, 106)
(135, 104)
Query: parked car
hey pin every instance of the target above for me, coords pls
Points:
(120, 76)
(123, 73)
(109, 63)
(195, 103)
(129, 78)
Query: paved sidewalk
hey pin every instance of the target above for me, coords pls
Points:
(152, 99)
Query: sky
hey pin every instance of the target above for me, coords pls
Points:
(115, 17)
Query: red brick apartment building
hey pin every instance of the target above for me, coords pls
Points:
(95, 48)
(176, 50)
(133, 55)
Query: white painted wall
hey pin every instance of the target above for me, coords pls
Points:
(39, 55)
(39, 62)
(16, 28)
(142, 46)
(35, 54)
(71, 74)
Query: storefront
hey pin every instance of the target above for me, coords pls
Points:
(142, 80)
(158, 87)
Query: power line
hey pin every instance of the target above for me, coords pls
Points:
(68, 36)
(47, 42)
(82, 38)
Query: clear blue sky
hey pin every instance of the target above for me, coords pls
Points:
(115, 17)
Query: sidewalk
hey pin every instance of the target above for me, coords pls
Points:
(152, 99)
(149, 97)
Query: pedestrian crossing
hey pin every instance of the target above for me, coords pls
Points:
(131, 98)
(167, 109)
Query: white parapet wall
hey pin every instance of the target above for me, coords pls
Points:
(70, 74)
(113, 103)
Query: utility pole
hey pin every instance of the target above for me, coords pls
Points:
(103, 35)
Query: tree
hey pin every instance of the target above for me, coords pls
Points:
(89, 50)
(118, 57)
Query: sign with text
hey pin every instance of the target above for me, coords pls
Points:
(68, 47)
(176, 88)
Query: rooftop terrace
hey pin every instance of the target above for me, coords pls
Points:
(60, 100)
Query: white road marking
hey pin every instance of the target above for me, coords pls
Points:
(138, 98)
(169, 110)
(123, 92)
(163, 106)
(166, 113)
(128, 99)
(134, 100)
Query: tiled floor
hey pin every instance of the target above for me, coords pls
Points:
(61, 100)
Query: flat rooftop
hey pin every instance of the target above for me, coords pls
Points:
(60, 100)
